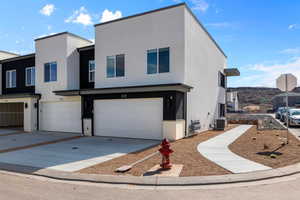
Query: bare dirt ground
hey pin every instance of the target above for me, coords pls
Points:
(258, 145)
(185, 153)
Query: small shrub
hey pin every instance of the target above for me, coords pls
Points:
(266, 146)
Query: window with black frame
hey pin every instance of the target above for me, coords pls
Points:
(222, 80)
(50, 72)
(158, 60)
(115, 66)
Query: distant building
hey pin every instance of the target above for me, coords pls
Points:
(251, 108)
(232, 101)
(280, 100)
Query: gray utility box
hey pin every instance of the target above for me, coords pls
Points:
(220, 124)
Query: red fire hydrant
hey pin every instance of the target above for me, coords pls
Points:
(165, 152)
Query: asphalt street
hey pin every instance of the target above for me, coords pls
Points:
(15, 187)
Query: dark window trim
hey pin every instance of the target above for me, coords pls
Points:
(222, 80)
(50, 64)
(158, 63)
(115, 67)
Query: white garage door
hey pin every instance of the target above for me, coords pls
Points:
(61, 116)
(132, 118)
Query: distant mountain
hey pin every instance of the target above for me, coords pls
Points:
(257, 96)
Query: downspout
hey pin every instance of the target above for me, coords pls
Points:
(38, 112)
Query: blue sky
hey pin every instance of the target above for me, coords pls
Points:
(260, 37)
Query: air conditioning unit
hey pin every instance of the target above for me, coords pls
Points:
(220, 124)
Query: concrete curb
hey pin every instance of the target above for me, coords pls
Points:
(155, 181)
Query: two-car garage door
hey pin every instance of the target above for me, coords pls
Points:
(131, 118)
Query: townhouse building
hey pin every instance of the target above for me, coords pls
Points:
(153, 75)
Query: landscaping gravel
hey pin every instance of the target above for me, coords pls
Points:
(185, 153)
(265, 147)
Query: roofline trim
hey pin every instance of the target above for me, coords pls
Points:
(205, 30)
(7, 52)
(62, 33)
(127, 89)
(17, 58)
(140, 14)
(86, 48)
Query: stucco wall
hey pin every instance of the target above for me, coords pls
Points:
(133, 37)
(62, 49)
(203, 62)
(52, 49)
(73, 61)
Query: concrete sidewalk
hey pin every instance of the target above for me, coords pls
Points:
(216, 150)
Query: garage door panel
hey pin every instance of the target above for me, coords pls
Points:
(61, 116)
(132, 118)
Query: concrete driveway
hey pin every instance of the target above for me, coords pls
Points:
(4, 131)
(17, 141)
(76, 154)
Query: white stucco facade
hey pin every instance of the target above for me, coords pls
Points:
(62, 49)
(203, 62)
(190, 91)
(195, 59)
(133, 37)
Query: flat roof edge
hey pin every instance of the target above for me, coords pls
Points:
(62, 33)
(18, 58)
(140, 14)
(10, 53)
(85, 48)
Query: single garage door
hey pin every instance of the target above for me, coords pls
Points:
(61, 116)
(131, 118)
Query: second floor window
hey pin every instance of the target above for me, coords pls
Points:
(11, 79)
(222, 80)
(50, 72)
(91, 71)
(115, 66)
(158, 61)
(30, 76)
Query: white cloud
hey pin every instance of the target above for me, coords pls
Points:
(49, 27)
(80, 16)
(293, 26)
(200, 5)
(47, 10)
(266, 74)
(110, 15)
(291, 51)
